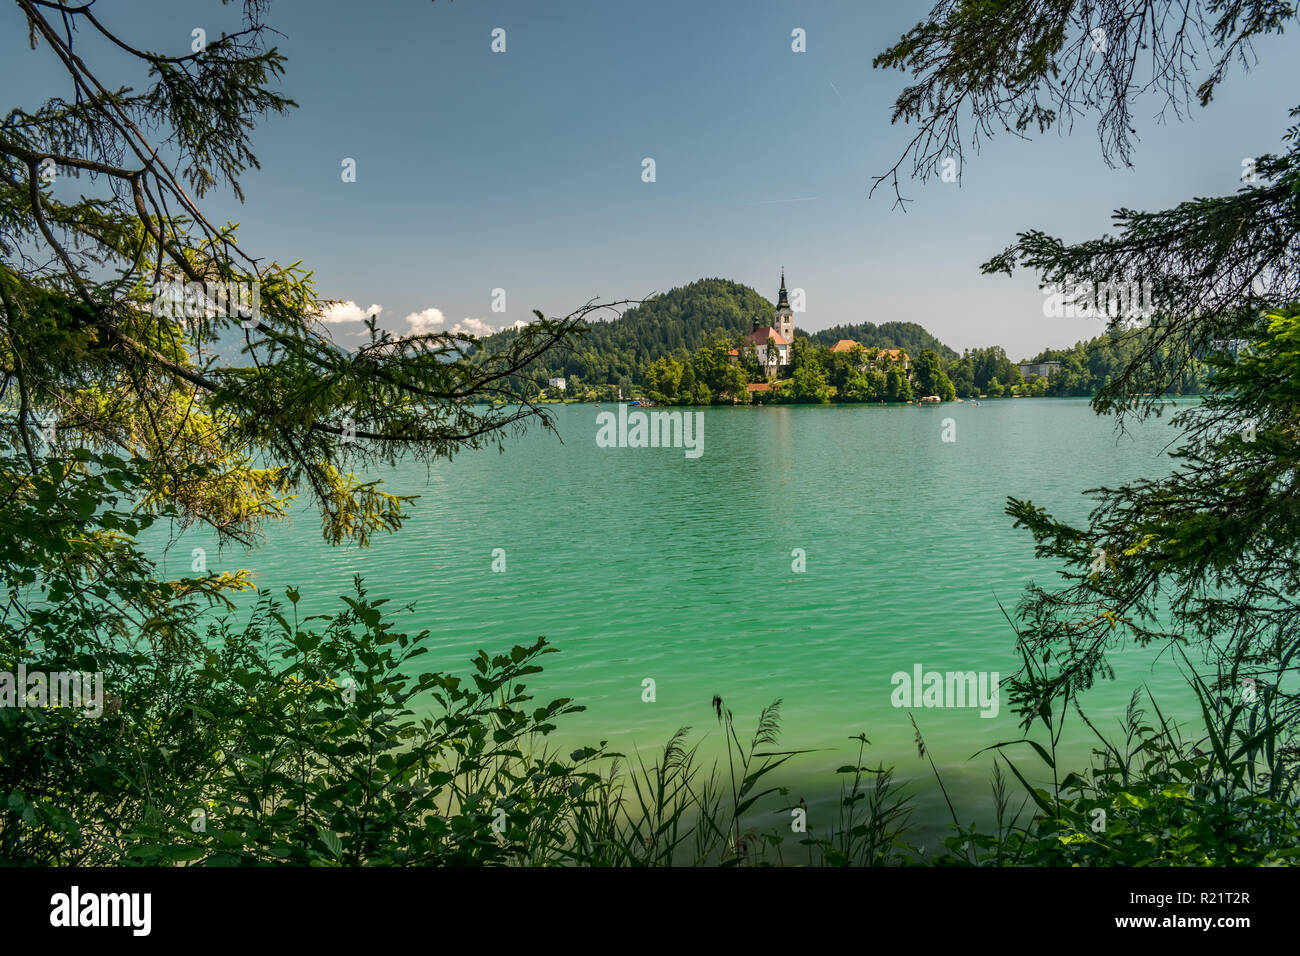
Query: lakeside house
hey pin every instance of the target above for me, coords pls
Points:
(556, 383)
(895, 356)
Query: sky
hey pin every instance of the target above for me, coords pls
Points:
(522, 170)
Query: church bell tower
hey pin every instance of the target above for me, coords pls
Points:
(784, 322)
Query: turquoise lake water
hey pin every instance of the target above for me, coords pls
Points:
(642, 563)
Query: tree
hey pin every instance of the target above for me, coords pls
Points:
(1038, 65)
(927, 368)
(843, 373)
(988, 364)
(154, 419)
(748, 359)
(962, 375)
(1214, 542)
(663, 379)
(89, 337)
(877, 385)
(801, 350)
(772, 353)
(686, 387)
(897, 387)
(810, 384)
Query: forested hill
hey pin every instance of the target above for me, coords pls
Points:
(682, 320)
(908, 336)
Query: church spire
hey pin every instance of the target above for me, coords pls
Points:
(782, 302)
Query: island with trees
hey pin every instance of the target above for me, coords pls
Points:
(690, 346)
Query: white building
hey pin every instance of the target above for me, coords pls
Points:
(780, 333)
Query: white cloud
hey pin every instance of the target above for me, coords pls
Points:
(418, 323)
(425, 321)
(433, 320)
(519, 324)
(472, 326)
(349, 312)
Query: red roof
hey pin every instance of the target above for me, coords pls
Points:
(759, 387)
(762, 335)
(845, 345)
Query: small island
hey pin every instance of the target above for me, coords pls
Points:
(718, 342)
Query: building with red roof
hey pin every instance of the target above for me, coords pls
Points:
(779, 336)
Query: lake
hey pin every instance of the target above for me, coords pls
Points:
(644, 564)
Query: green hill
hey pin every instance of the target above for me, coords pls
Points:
(680, 321)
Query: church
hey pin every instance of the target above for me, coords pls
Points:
(780, 333)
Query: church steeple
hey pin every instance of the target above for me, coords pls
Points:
(783, 321)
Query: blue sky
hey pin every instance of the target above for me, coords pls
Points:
(521, 170)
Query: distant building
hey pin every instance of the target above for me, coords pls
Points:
(1041, 369)
(760, 337)
(892, 355)
(556, 383)
(780, 333)
(896, 355)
